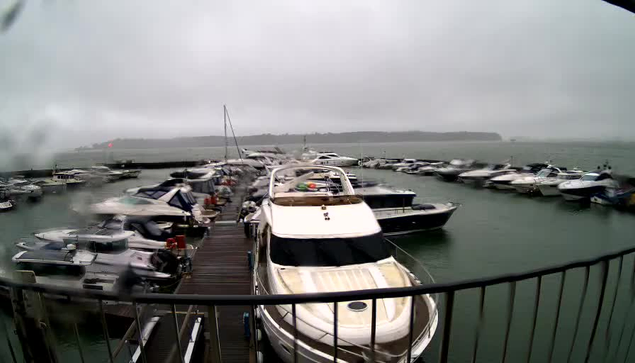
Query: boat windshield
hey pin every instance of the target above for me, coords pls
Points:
(543, 173)
(104, 247)
(590, 177)
(328, 251)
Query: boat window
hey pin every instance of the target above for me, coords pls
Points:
(104, 247)
(153, 194)
(308, 200)
(324, 157)
(328, 251)
(590, 177)
(544, 173)
(604, 176)
(176, 202)
(51, 270)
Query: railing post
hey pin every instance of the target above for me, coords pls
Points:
(447, 326)
(214, 336)
(30, 322)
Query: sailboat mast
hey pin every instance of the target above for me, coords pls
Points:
(225, 125)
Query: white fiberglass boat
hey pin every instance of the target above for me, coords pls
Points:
(527, 184)
(480, 176)
(503, 182)
(325, 241)
(142, 233)
(166, 204)
(333, 159)
(548, 187)
(589, 185)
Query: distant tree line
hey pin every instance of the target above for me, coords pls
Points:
(315, 138)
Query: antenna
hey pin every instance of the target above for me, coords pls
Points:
(361, 167)
(225, 125)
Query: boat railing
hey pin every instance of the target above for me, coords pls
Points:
(579, 311)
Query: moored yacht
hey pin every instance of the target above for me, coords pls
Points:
(404, 163)
(142, 233)
(587, 186)
(68, 268)
(112, 255)
(108, 174)
(69, 178)
(480, 176)
(6, 204)
(527, 184)
(166, 204)
(548, 187)
(21, 189)
(429, 169)
(319, 241)
(503, 182)
(333, 159)
(454, 169)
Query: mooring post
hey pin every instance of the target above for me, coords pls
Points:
(31, 322)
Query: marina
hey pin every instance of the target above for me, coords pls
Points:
(220, 264)
(406, 182)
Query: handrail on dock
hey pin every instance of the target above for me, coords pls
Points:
(450, 290)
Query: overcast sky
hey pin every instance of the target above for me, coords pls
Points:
(77, 72)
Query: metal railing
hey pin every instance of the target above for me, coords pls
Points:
(590, 305)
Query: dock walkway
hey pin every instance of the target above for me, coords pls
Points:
(220, 267)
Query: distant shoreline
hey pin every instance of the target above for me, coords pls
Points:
(315, 138)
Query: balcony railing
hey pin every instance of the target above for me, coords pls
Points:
(579, 311)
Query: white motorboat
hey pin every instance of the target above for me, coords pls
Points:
(429, 169)
(69, 178)
(403, 163)
(480, 176)
(130, 173)
(503, 182)
(108, 174)
(412, 168)
(21, 189)
(168, 204)
(454, 169)
(6, 204)
(142, 233)
(548, 187)
(68, 268)
(319, 241)
(333, 159)
(113, 255)
(588, 185)
(527, 184)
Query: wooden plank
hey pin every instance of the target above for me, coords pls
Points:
(221, 267)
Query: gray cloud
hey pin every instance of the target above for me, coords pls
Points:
(77, 72)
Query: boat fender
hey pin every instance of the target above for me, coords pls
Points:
(170, 243)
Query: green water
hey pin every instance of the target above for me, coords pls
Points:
(493, 232)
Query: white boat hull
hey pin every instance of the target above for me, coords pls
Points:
(549, 190)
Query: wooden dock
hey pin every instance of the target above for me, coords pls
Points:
(220, 267)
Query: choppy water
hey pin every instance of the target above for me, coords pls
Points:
(492, 232)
